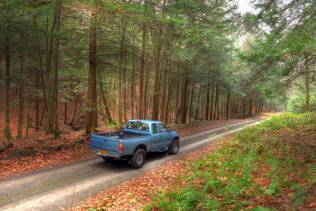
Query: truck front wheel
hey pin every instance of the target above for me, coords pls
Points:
(138, 158)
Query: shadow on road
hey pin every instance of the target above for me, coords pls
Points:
(121, 165)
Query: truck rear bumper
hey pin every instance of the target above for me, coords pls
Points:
(106, 153)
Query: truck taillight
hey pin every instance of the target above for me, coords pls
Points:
(121, 147)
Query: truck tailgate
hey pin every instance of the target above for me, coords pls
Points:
(104, 143)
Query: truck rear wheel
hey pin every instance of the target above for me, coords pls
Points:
(107, 159)
(138, 159)
(174, 147)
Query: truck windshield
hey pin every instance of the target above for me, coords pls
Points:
(138, 126)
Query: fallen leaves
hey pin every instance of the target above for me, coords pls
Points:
(43, 151)
(138, 192)
(21, 165)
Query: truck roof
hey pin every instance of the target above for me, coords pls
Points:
(145, 121)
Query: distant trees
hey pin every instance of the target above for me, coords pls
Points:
(283, 58)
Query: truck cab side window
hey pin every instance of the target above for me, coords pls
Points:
(161, 128)
(154, 128)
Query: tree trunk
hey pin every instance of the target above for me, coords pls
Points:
(74, 111)
(184, 106)
(191, 102)
(41, 75)
(105, 103)
(91, 112)
(21, 98)
(166, 117)
(65, 112)
(164, 93)
(155, 101)
(124, 78)
(120, 73)
(132, 93)
(207, 106)
(7, 77)
(216, 110)
(28, 123)
(227, 103)
(196, 116)
(37, 81)
(145, 95)
(250, 107)
(53, 126)
(141, 74)
(212, 116)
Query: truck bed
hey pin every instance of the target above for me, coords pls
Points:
(120, 135)
(110, 141)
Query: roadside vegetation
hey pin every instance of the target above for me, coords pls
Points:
(271, 166)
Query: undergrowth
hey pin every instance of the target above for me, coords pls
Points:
(253, 171)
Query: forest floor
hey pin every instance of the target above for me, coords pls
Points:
(269, 166)
(41, 151)
(66, 185)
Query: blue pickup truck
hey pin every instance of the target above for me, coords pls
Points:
(137, 139)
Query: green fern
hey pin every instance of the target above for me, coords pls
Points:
(212, 205)
(260, 208)
(312, 173)
(273, 188)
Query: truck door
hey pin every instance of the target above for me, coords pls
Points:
(156, 141)
(165, 137)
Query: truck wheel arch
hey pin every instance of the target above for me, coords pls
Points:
(175, 139)
(141, 146)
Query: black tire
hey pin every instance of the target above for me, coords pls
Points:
(138, 159)
(107, 159)
(174, 147)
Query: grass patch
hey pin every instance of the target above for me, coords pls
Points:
(265, 167)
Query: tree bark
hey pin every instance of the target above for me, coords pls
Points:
(65, 112)
(7, 77)
(105, 103)
(42, 77)
(170, 91)
(184, 106)
(191, 101)
(124, 78)
(21, 98)
(91, 112)
(227, 103)
(212, 116)
(250, 107)
(132, 93)
(155, 101)
(196, 116)
(207, 106)
(164, 91)
(52, 67)
(141, 73)
(37, 117)
(145, 95)
(120, 73)
(74, 111)
(216, 109)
